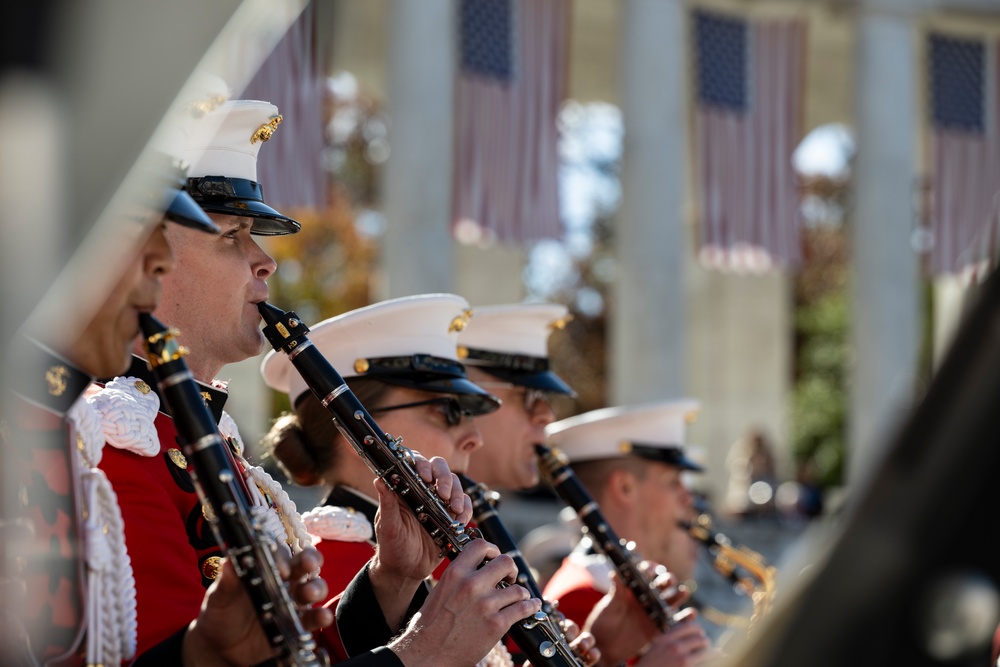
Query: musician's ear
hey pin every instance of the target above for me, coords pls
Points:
(622, 487)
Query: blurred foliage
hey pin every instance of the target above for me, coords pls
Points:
(822, 356)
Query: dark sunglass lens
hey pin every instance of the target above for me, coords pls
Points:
(454, 412)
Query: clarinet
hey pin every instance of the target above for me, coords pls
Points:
(489, 523)
(237, 525)
(393, 463)
(555, 467)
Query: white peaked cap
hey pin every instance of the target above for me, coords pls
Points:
(512, 342)
(226, 141)
(514, 328)
(653, 431)
(423, 328)
(202, 94)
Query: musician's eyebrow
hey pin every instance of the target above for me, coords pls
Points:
(241, 223)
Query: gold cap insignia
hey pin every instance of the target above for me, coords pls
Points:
(625, 447)
(199, 108)
(460, 322)
(142, 387)
(211, 567)
(561, 323)
(265, 131)
(178, 458)
(361, 365)
(462, 352)
(56, 378)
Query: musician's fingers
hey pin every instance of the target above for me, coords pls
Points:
(500, 568)
(688, 614)
(306, 564)
(671, 591)
(476, 551)
(422, 466)
(585, 646)
(569, 628)
(309, 592)
(314, 619)
(465, 514)
(516, 603)
(441, 478)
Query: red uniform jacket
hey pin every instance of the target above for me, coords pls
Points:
(576, 588)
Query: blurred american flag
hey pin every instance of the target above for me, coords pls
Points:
(965, 153)
(290, 166)
(511, 81)
(749, 93)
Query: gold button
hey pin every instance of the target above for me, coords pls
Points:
(361, 366)
(142, 387)
(56, 378)
(211, 567)
(625, 447)
(178, 458)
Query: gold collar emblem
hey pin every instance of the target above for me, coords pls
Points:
(178, 458)
(56, 378)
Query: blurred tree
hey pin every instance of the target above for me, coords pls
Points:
(822, 350)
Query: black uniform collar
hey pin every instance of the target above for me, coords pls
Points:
(345, 496)
(215, 398)
(44, 378)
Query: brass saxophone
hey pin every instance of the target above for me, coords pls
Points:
(749, 572)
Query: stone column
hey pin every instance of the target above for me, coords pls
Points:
(417, 247)
(647, 315)
(886, 303)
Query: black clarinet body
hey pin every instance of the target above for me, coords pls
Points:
(387, 458)
(565, 482)
(489, 523)
(236, 523)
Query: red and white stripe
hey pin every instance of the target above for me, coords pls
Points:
(965, 186)
(506, 171)
(748, 196)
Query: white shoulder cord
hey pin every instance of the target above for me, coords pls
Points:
(111, 606)
(283, 522)
(498, 656)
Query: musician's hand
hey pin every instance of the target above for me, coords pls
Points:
(406, 554)
(684, 645)
(620, 624)
(584, 644)
(465, 613)
(446, 483)
(227, 631)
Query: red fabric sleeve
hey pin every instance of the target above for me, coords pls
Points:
(168, 580)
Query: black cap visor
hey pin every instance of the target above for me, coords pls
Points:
(240, 197)
(546, 381)
(670, 455)
(184, 211)
(433, 374)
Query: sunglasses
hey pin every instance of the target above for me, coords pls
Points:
(532, 396)
(450, 407)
